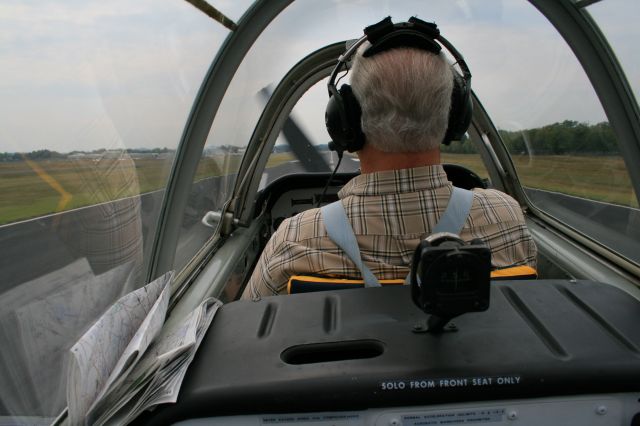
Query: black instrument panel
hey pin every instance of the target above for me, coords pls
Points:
(357, 349)
(292, 194)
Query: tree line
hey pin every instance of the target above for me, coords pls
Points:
(45, 154)
(565, 138)
(41, 154)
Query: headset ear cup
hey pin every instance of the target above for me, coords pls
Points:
(354, 116)
(334, 119)
(461, 110)
(342, 118)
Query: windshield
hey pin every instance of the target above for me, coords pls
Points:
(528, 79)
(94, 100)
(522, 69)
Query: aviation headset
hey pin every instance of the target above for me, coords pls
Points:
(343, 113)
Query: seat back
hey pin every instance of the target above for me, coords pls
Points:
(310, 283)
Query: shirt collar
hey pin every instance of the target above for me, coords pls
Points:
(396, 181)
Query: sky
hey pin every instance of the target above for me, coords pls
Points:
(84, 75)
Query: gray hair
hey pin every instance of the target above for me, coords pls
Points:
(405, 96)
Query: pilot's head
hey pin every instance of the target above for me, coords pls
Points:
(405, 96)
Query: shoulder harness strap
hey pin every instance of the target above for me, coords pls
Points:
(456, 213)
(341, 233)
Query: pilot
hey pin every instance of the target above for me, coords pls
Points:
(405, 96)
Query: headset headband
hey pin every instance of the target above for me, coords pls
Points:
(386, 35)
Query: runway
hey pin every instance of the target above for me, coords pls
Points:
(32, 248)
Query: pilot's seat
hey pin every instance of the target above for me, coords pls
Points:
(312, 283)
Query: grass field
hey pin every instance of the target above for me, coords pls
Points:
(31, 189)
(596, 178)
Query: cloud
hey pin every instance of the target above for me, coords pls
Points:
(140, 64)
(526, 78)
(524, 73)
(617, 20)
(68, 66)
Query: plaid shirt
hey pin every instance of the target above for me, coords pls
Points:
(390, 212)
